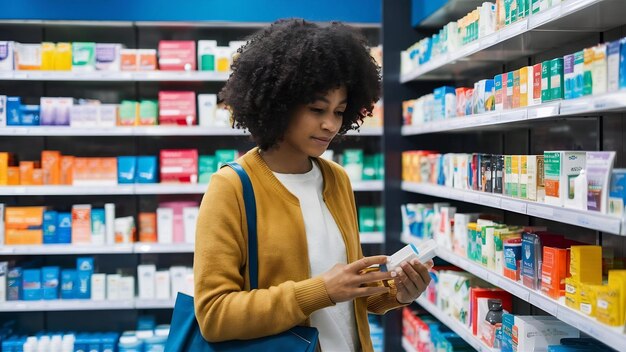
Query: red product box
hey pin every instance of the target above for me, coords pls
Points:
(536, 91)
(476, 293)
(179, 166)
(177, 55)
(177, 108)
(554, 271)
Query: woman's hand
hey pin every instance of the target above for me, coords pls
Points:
(411, 280)
(346, 282)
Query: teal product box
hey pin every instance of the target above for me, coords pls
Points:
(14, 111)
(147, 169)
(29, 115)
(380, 219)
(50, 221)
(126, 168)
(579, 74)
(499, 102)
(146, 322)
(14, 284)
(31, 285)
(68, 283)
(556, 79)
(444, 102)
(84, 270)
(98, 226)
(546, 89)
(207, 166)
(380, 166)
(622, 64)
(50, 275)
(369, 167)
(64, 228)
(224, 156)
(367, 219)
(510, 84)
(506, 341)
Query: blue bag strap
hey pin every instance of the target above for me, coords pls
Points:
(250, 205)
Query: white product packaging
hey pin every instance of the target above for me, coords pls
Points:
(190, 218)
(146, 278)
(4, 270)
(443, 231)
(207, 108)
(127, 288)
(423, 252)
(107, 116)
(98, 287)
(535, 333)
(113, 287)
(189, 282)
(109, 223)
(613, 61)
(599, 69)
(124, 229)
(108, 57)
(6, 56)
(568, 166)
(178, 276)
(3, 110)
(165, 225)
(163, 287)
(27, 56)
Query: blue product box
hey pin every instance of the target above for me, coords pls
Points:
(506, 341)
(14, 284)
(68, 283)
(84, 269)
(530, 258)
(14, 111)
(50, 221)
(622, 64)
(29, 115)
(51, 280)
(109, 342)
(31, 285)
(98, 224)
(126, 168)
(146, 322)
(147, 168)
(442, 95)
(64, 228)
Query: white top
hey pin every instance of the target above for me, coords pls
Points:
(337, 324)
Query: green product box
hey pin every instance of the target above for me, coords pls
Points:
(367, 219)
(380, 219)
(546, 88)
(148, 112)
(535, 6)
(84, 56)
(353, 163)
(521, 9)
(380, 166)
(507, 175)
(556, 79)
(207, 166)
(369, 167)
(224, 156)
(128, 113)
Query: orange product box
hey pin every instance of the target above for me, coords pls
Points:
(523, 86)
(129, 60)
(51, 166)
(554, 271)
(67, 170)
(13, 176)
(80, 173)
(23, 225)
(94, 170)
(147, 59)
(108, 171)
(516, 89)
(147, 227)
(37, 177)
(81, 223)
(5, 161)
(26, 172)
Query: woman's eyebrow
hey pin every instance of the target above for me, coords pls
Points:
(323, 99)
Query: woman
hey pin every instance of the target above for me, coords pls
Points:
(295, 86)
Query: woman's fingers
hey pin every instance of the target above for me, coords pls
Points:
(370, 291)
(366, 262)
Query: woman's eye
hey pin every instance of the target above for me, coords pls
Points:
(339, 113)
(316, 110)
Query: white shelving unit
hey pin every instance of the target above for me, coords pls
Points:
(372, 237)
(154, 303)
(120, 76)
(83, 304)
(613, 102)
(582, 218)
(569, 21)
(614, 337)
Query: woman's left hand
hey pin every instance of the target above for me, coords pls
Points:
(412, 280)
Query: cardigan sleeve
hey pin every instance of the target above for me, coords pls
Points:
(224, 310)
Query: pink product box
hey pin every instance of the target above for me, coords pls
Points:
(177, 55)
(179, 166)
(177, 108)
(179, 227)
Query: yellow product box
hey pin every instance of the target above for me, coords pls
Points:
(617, 281)
(4, 169)
(48, 51)
(63, 57)
(23, 225)
(588, 299)
(586, 264)
(607, 304)
(572, 293)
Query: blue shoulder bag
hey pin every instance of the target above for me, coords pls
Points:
(185, 333)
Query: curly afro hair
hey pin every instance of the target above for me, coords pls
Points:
(291, 62)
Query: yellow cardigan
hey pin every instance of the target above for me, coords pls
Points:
(288, 295)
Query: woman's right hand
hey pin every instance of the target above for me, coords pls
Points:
(344, 282)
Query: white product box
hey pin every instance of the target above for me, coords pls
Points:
(165, 225)
(3, 110)
(461, 222)
(6, 56)
(109, 216)
(108, 57)
(163, 286)
(190, 218)
(561, 169)
(178, 275)
(146, 278)
(27, 56)
(98, 287)
(127, 288)
(207, 108)
(189, 283)
(536, 333)
(107, 116)
(113, 287)
(4, 269)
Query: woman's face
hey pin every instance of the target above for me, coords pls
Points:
(314, 125)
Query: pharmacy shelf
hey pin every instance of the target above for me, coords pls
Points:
(372, 237)
(146, 131)
(65, 249)
(611, 336)
(140, 189)
(64, 305)
(612, 102)
(455, 325)
(145, 248)
(588, 219)
(154, 303)
(569, 21)
(120, 76)
(451, 11)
